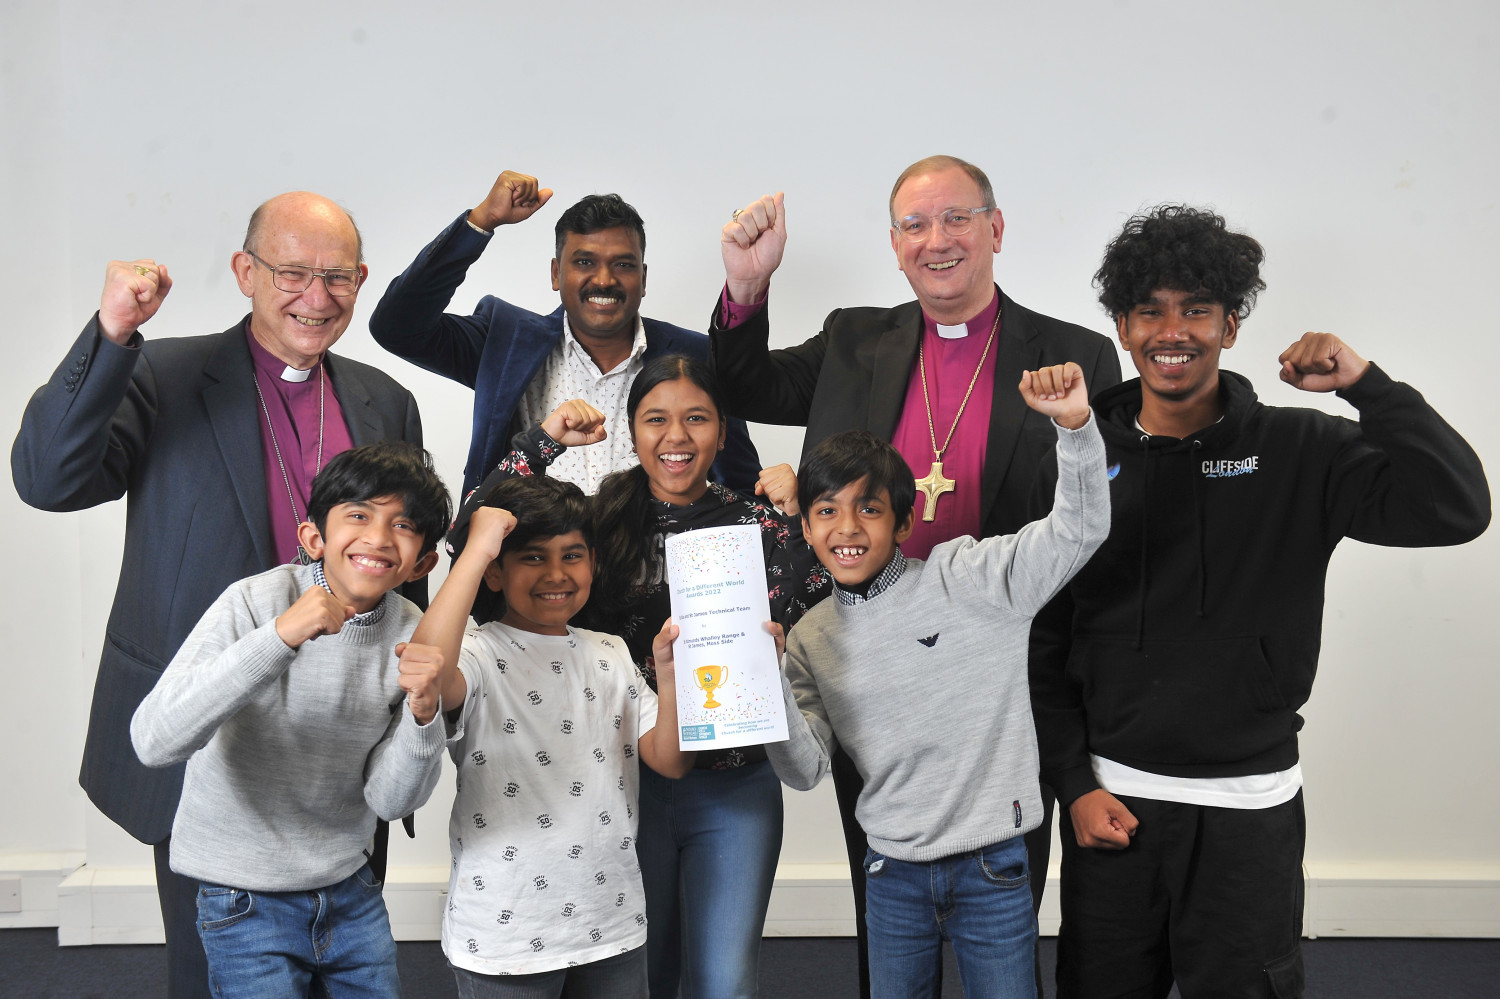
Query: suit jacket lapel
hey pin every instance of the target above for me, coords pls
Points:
(354, 399)
(233, 410)
(895, 357)
(1018, 350)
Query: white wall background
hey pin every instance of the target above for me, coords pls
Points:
(1356, 139)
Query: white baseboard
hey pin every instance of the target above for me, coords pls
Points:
(40, 875)
(118, 905)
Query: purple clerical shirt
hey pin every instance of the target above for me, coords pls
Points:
(293, 408)
(950, 367)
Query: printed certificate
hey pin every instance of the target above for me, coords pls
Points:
(728, 679)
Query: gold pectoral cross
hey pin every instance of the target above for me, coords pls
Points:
(933, 485)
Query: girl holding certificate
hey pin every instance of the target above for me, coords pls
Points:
(707, 843)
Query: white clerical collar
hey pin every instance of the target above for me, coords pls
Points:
(292, 374)
(952, 332)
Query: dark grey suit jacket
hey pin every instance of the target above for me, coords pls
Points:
(172, 425)
(854, 373)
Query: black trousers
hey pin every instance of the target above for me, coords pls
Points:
(847, 784)
(1208, 897)
(187, 967)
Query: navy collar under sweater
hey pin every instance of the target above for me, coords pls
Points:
(882, 582)
(365, 620)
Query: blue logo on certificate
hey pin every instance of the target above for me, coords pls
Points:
(697, 733)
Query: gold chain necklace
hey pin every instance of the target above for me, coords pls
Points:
(935, 483)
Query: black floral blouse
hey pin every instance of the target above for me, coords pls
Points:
(795, 579)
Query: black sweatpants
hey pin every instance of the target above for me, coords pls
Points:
(1210, 897)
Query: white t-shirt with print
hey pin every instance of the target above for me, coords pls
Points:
(543, 827)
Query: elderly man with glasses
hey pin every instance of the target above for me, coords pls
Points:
(936, 377)
(215, 440)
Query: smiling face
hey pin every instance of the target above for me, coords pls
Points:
(1174, 338)
(953, 276)
(545, 582)
(854, 534)
(602, 278)
(677, 432)
(368, 548)
(311, 231)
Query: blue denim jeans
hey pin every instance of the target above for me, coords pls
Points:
(708, 846)
(979, 901)
(328, 941)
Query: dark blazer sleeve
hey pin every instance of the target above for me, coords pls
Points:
(764, 385)
(83, 430)
(738, 465)
(409, 320)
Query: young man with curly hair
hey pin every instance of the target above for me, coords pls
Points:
(1166, 682)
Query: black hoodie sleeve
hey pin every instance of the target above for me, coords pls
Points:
(1408, 480)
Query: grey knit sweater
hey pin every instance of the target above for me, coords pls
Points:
(925, 684)
(293, 752)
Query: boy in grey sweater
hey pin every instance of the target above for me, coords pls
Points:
(918, 669)
(300, 727)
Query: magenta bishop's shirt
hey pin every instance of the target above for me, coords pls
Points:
(950, 366)
(294, 416)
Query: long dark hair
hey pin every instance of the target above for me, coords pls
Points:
(624, 521)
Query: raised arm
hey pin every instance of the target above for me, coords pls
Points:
(759, 384)
(1021, 572)
(84, 430)
(410, 321)
(660, 747)
(1408, 479)
(443, 624)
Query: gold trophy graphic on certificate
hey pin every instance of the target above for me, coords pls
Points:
(709, 679)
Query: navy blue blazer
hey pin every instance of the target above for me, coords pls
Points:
(501, 347)
(173, 426)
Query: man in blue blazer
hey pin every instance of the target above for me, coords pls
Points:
(176, 427)
(522, 365)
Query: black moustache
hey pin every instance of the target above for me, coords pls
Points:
(587, 293)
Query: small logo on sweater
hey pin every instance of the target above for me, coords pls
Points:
(1016, 806)
(1227, 468)
(1112, 471)
(929, 641)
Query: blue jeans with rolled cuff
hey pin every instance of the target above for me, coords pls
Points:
(979, 901)
(326, 941)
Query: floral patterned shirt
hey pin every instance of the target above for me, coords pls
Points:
(795, 579)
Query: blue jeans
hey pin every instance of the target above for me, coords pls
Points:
(708, 846)
(979, 901)
(272, 944)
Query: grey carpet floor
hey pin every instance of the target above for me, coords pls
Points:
(32, 966)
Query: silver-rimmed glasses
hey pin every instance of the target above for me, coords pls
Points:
(955, 222)
(296, 278)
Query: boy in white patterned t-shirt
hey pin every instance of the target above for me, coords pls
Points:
(545, 893)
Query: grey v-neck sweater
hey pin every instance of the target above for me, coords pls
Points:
(925, 684)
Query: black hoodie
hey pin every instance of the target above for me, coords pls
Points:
(1196, 627)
